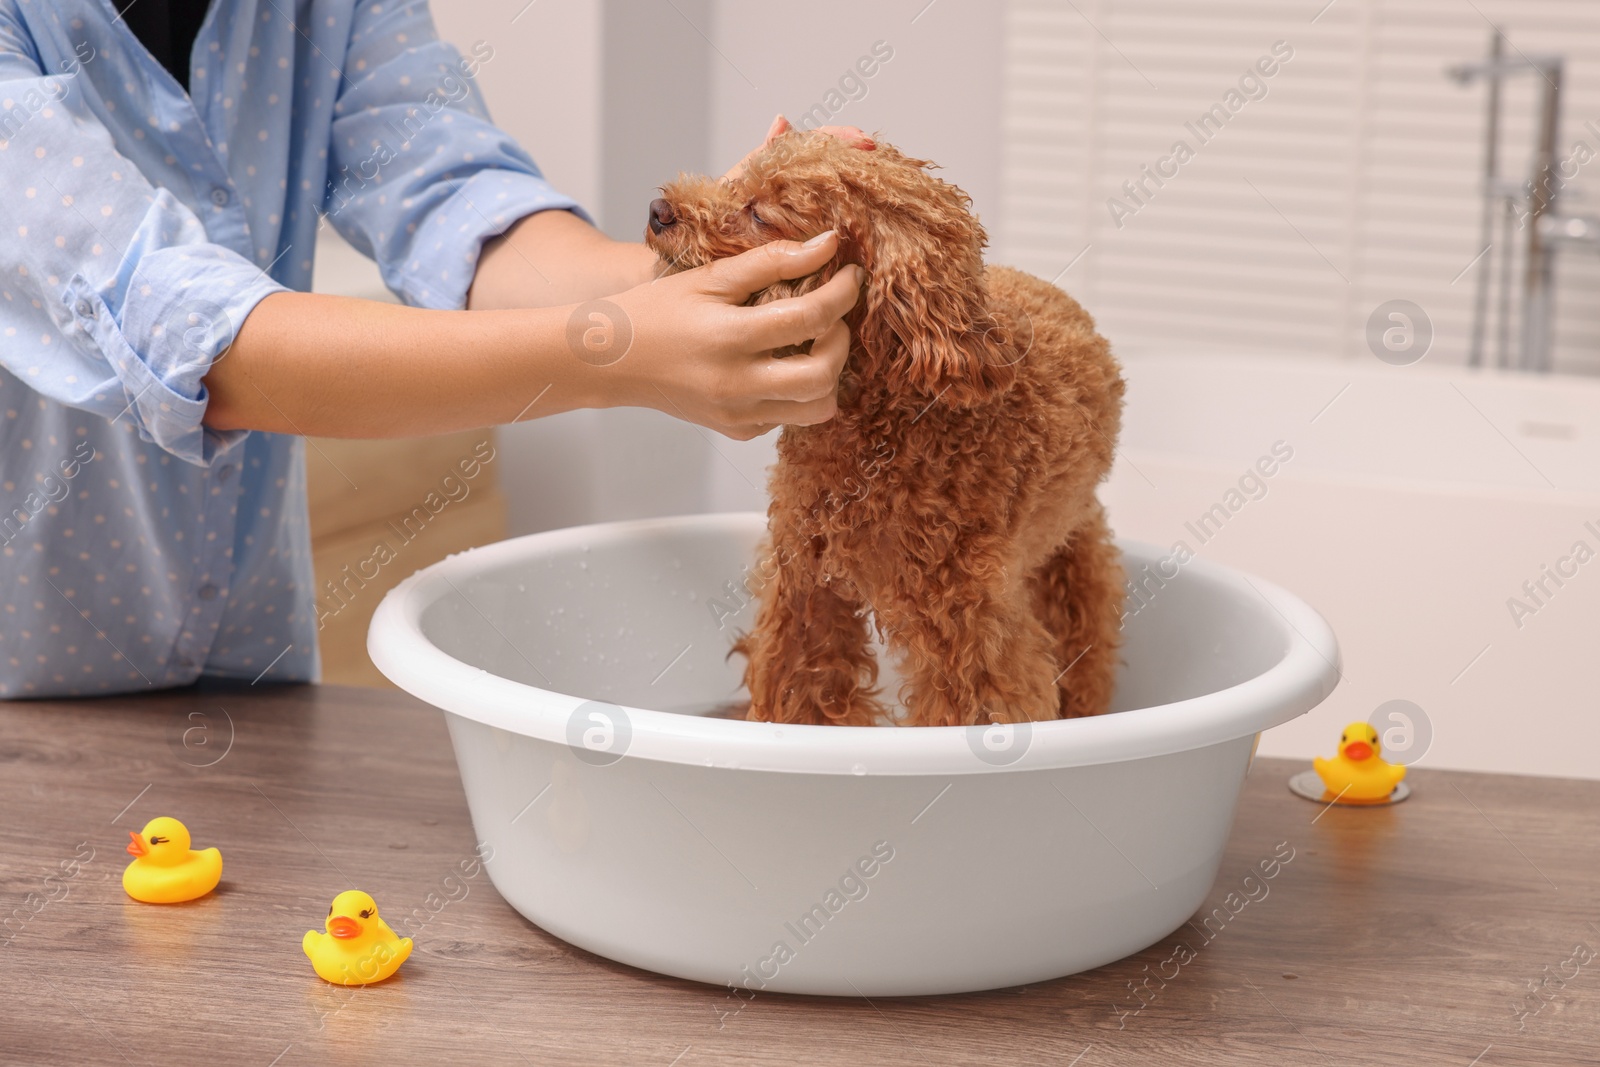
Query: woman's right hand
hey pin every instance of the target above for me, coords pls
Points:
(695, 352)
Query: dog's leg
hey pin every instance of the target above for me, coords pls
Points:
(985, 659)
(808, 657)
(1078, 595)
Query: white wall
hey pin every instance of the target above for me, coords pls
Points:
(543, 84)
(937, 98)
(544, 87)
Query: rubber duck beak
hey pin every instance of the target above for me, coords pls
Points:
(136, 845)
(1358, 750)
(343, 927)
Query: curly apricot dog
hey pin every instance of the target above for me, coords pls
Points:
(951, 502)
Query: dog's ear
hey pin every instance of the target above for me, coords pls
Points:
(924, 323)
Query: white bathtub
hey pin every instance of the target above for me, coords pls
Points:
(1417, 503)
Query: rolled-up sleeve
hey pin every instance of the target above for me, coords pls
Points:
(113, 300)
(419, 178)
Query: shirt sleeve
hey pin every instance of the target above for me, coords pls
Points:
(419, 178)
(112, 298)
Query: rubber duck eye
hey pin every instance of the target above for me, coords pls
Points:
(158, 840)
(366, 913)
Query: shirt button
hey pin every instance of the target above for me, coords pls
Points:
(208, 592)
(219, 196)
(85, 309)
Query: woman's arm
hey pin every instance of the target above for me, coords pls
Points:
(553, 258)
(330, 366)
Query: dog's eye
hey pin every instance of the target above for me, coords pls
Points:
(755, 216)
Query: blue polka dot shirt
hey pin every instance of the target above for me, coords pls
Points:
(139, 548)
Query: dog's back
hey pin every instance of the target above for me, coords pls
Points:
(1055, 326)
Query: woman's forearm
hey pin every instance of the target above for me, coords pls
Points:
(385, 371)
(329, 366)
(554, 258)
(685, 344)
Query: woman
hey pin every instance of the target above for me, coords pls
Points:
(165, 168)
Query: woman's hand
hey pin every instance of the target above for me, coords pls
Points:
(696, 353)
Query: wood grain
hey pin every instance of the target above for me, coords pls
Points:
(344, 618)
(365, 493)
(1398, 935)
(351, 482)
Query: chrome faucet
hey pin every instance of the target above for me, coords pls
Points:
(1531, 206)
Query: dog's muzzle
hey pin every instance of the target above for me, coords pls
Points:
(661, 215)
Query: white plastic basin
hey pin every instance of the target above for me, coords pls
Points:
(825, 859)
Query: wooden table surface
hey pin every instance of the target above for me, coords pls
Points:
(1457, 928)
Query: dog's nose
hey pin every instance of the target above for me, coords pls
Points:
(661, 215)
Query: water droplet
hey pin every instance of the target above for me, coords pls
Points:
(858, 769)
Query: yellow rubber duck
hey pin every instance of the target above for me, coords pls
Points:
(1358, 772)
(165, 870)
(358, 948)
